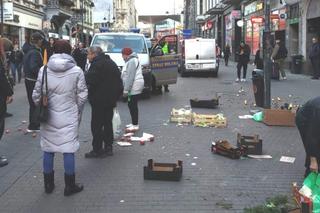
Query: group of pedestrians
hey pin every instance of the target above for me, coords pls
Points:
(68, 89)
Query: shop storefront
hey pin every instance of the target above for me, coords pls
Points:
(253, 25)
(278, 24)
(207, 29)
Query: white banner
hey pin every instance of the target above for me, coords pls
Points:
(7, 11)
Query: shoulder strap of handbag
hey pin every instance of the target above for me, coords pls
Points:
(44, 80)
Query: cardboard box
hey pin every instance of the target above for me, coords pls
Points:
(279, 117)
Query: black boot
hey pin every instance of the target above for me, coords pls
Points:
(48, 182)
(71, 187)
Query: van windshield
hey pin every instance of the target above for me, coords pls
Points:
(115, 43)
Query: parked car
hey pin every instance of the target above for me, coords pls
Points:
(157, 69)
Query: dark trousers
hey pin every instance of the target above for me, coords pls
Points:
(239, 66)
(29, 87)
(16, 68)
(133, 108)
(3, 109)
(226, 60)
(316, 67)
(101, 127)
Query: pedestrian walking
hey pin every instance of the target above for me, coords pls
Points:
(80, 55)
(314, 56)
(6, 90)
(226, 53)
(258, 62)
(243, 55)
(133, 85)
(50, 47)
(308, 123)
(105, 88)
(32, 62)
(278, 57)
(67, 93)
(15, 59)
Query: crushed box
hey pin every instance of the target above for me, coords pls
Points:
(181, 115)
(252, 143)
(204, 120)
(211, 103)
(223, 147)
(163, 171)
(279, 117)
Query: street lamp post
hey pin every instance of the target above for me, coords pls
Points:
(267, 55)
(1, 27)
(82, 2)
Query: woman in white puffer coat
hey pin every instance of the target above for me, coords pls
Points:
(67, 93)
(133, 84)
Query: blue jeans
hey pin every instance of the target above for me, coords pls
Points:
(16, 68)
(68, 159)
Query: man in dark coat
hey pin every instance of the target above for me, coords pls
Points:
(314, 56)
(80, 56)
(6, 93)
(32, 62)
(243, 60)
(104, 89)
(308, 123)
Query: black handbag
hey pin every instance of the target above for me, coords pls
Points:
(41, 112)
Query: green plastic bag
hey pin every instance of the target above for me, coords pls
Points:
(312, 183)
(258, 116)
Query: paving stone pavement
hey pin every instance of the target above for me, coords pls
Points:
(116, 184)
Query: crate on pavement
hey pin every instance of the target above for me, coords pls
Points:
(279, 117)
(253, 144)
(303, 202)
(211, 103)
(181, 116)
(205, 120)
(163, 171)
(223, 147)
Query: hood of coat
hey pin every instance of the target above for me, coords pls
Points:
(133, 55)
(61, 62)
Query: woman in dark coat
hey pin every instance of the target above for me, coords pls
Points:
(258, 62)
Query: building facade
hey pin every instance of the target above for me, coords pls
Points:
(229, 21)
(125, 15)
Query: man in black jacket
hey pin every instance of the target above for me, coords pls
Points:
(243, 60)
(32, 62)
(314, 55)
(6, 93)
(308, 123)
(104, 89)
(80, 56)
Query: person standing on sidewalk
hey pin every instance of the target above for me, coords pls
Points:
(105, 88)
(6, 90)
(80, 55)
(133, 85)
(314, 56)
(308, 123)
(67, 93)
(243, 60)
(278, 56)
(15, 59)
(226, 53)
(32, 62)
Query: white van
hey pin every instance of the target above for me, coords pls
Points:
(199, 55)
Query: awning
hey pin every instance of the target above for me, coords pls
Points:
(153, 19)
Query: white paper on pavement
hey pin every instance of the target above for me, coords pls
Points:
(245, 116)
(120, 143)
(287, 159)
(260, 156)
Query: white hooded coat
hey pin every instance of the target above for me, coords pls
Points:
(67, 93)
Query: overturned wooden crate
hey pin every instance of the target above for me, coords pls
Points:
(252, 143)
(163, 171)
(181, 116)
(211, 103)
(223, 147)
(205, 120)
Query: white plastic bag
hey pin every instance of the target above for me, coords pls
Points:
(116, 123)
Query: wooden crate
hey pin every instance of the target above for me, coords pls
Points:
(252, 143)
(223, 147)
(204, 120)
(211, 104)
(302, 201)
(181, 116)
(279, 117)
(163, 171)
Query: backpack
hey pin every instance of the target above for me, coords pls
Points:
(282, 52)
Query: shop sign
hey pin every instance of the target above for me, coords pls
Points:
(236, 14)
(257, 19)
(7, 11)
(274, 16)
(29, 21)
(253, 7)
(207, 26)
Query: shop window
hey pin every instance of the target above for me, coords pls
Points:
(294, 11)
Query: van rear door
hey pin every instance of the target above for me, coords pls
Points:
(165, 66)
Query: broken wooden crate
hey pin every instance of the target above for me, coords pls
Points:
(203, 120)
(252, 143)
(303, 202)
(223, 147)
(279, 117)
(163, 171)
(211, 103)
(181, 115)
